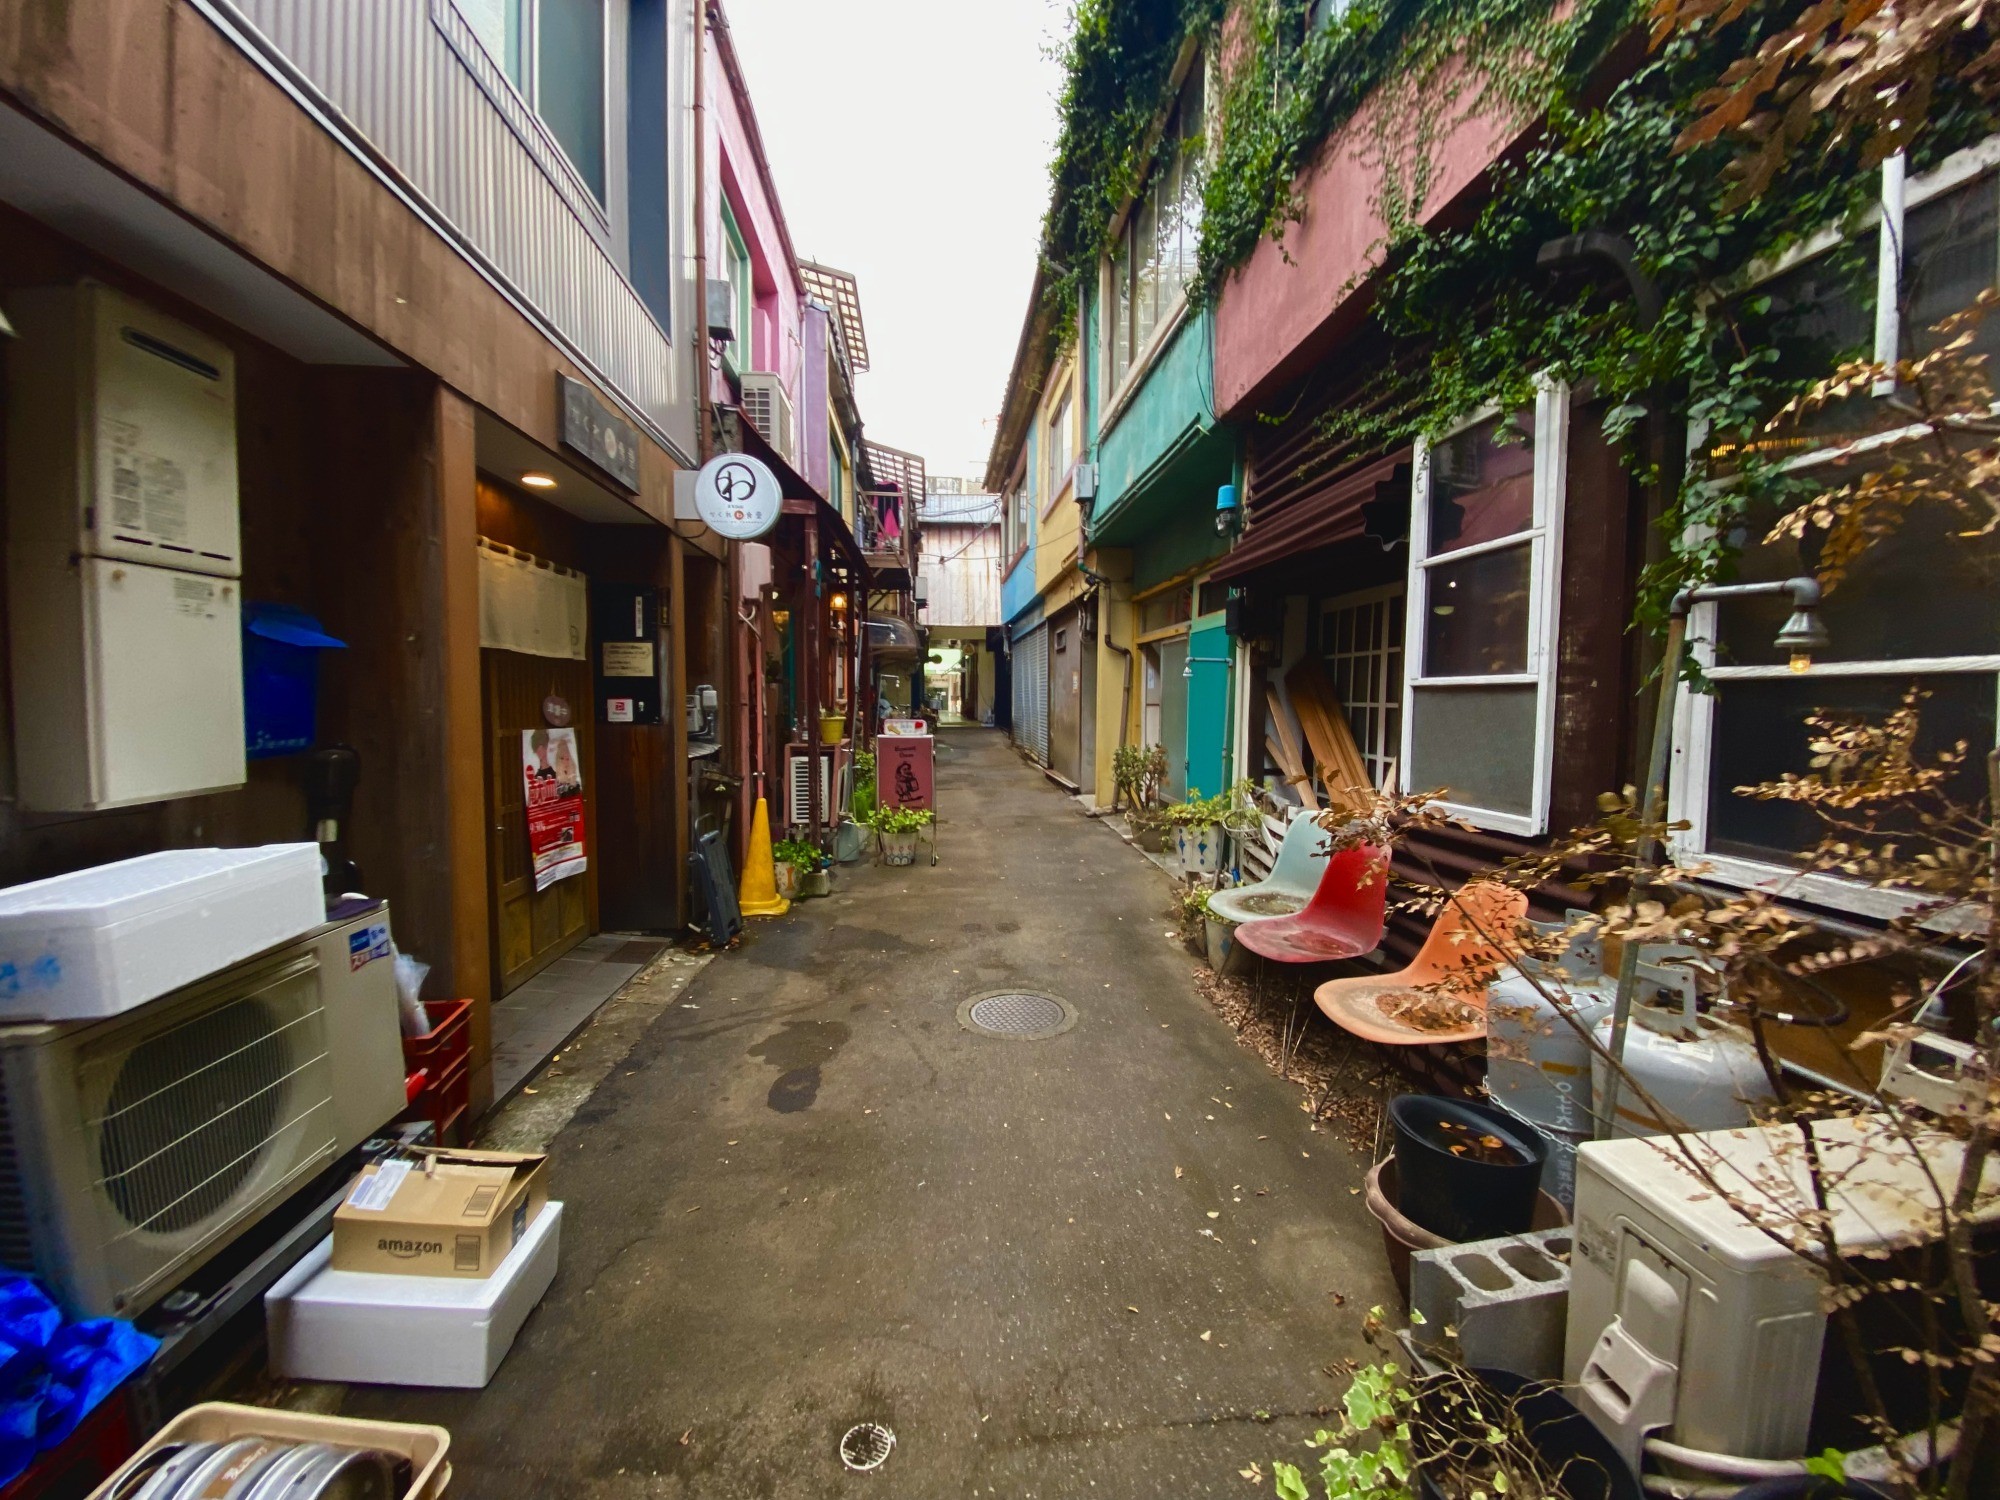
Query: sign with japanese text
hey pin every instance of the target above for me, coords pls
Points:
(552, 772)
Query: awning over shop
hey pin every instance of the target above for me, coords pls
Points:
(892, 638)
(1293, 510)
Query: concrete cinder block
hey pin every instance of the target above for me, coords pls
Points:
(1507, 1300)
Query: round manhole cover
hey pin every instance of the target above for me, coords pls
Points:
(866, 1445)
(1017, 1015)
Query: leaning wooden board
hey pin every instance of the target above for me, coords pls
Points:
(1325, 723)
(1286, 752)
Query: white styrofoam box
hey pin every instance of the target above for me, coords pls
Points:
(99, 942)
(368, 1328)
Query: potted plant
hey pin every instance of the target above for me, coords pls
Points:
(897, 827)
(1198, 836)
(795, 859)
(1138, 774)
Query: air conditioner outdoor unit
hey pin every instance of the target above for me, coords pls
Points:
(799, 761)
(135, 1148)
(1686, 1319)
(769, 410)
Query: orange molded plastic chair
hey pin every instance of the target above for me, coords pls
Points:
(1343, 919)
(1455, 946)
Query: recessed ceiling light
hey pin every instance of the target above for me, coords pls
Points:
(535, 480)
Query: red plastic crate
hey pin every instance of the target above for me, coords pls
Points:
(448, 1040)
(442, 1100)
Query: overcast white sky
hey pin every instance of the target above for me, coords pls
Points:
(910, 140)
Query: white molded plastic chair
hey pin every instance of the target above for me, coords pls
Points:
(1302, 860)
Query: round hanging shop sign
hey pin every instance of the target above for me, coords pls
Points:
(737, 496)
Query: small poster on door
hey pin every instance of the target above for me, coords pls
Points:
(552, 769)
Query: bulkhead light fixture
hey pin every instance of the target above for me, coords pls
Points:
(534, 479)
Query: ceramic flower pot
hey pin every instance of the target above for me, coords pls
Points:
(900, 848)
(1225, 954)
(1199, 848)
(788, 880)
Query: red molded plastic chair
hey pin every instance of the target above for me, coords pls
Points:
(1455, 964)
(1343, 919)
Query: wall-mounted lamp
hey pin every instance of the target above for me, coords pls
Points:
(1228, 514)
(839, 603)
(534, 479)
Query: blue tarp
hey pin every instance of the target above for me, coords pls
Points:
(52, 1374)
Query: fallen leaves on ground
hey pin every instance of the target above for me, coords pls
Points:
(1344, 1087)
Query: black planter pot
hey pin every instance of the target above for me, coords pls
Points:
(1567, 1440)
(1454, 1196)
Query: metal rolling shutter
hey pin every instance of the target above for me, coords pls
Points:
(1031, 693)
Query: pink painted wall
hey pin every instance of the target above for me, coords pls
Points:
(815, 442)
(737, 171)
(1288, 305)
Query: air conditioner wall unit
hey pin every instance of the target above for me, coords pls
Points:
(769, 410)
(135, 1148)
(799, 760)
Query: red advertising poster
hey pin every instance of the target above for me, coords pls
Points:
(904, 770)
(553, 772)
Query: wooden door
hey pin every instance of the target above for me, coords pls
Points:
(1066, 698)
(532, 929)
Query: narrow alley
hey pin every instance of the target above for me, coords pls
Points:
(768, 750)
(809, 1197)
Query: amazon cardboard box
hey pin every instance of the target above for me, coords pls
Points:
(440, 1213)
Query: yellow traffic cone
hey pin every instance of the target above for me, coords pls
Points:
(757, 893)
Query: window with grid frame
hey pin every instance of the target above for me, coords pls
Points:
(1920, 609)
(1361, 646)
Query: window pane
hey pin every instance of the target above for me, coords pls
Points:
(1815, 316)
(1760, 734)
(1167, 214)
(1921, 591)
(497, 24)
(1478, 744)
(1951, 255)
(569, 82)
(1121, 309)
(1481, 487)
(1192, 128)
(1146, 270)
(1477, 622)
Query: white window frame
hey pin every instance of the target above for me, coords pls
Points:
(1694, 713)
(1544, 594)
(1059, 440)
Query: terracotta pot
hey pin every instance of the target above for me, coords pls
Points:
(1401, 1236)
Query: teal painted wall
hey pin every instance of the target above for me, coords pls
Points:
(1168, 414)
(1182, 537)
